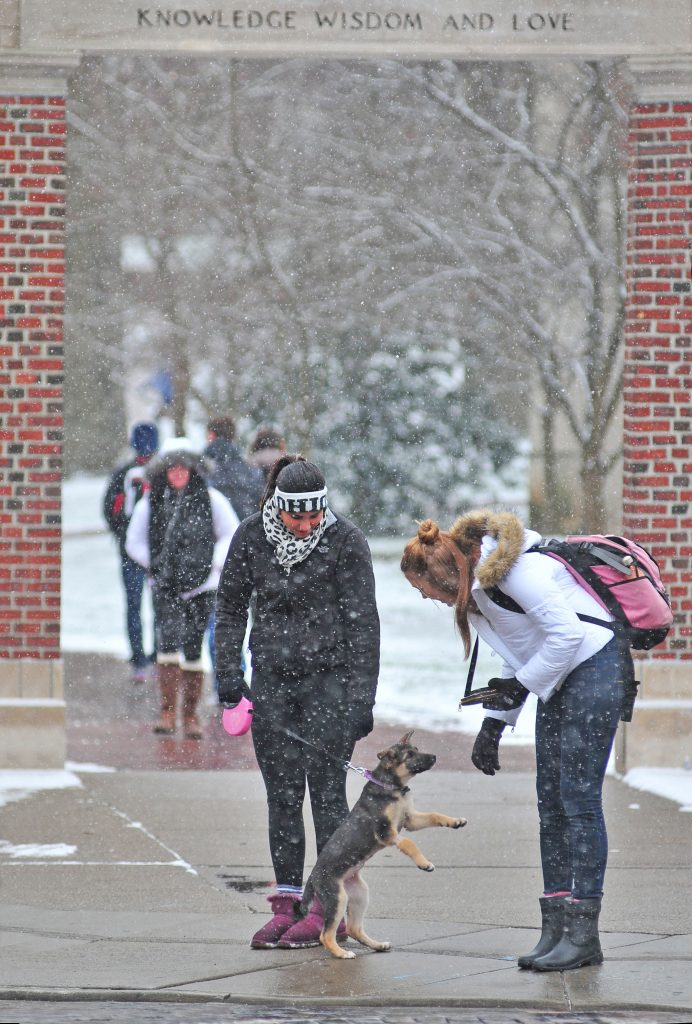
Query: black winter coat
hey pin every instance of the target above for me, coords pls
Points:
(238, 481)
(115, 501)
(321, 615)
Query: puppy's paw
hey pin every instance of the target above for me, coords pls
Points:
(459, 823)
(427, 866)
(383, 947)
(347, 954)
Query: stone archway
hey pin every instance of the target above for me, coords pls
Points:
(40, 44)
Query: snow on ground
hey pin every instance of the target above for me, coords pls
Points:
(16, 785)
(423, 672)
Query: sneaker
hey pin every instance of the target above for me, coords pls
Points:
(138, 674)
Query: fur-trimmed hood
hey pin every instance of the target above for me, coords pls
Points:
(165, 460)
(508, 535)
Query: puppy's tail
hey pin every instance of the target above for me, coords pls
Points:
(308, 894)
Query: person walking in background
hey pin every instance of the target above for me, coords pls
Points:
(238, 481)
(314, 641)
(179, 533)
(266, 447)
(125, 487)
(526, 606)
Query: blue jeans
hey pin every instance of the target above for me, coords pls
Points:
(575, 730)
(211, 642)
(133, 580)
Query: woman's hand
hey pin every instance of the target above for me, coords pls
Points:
(504, 694)
(231, 690)
(360, 719)
(485, 754)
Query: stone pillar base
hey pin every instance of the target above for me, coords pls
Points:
(32, 714)
(660, 733)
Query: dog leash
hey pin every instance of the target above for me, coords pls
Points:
(346, 765)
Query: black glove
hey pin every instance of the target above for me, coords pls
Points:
(360, 722)
(231, 690)
(504, 695)
(485, 753)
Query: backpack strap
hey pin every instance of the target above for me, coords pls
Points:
(503, 600)
(499, 597)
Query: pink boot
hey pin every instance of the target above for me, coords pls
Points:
(284, 910)
(306, 931)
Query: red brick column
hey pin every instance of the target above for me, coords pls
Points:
(658, 351)
(657, 482)
(32, 297)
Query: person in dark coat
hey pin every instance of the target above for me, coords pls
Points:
(315, 641)
(266, 447)
(126, 486)
(238, 481)
(179, 533)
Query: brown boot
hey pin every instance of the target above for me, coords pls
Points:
(169, 678)
(192, 691)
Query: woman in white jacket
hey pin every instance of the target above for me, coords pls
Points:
(180, 532)
(576, 669)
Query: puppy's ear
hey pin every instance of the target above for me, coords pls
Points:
(387, 755)
(406, 738)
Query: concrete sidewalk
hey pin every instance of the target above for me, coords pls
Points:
(169, 871)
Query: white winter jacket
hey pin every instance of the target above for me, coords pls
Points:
(225, 523)
(541, 647)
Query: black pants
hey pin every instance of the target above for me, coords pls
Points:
(180, 625)
(312, 706)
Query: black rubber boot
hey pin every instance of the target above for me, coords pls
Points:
(579, 945)
(552, 925)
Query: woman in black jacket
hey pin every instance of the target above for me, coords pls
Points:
(315, 659)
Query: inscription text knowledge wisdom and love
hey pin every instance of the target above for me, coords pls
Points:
(493, 28)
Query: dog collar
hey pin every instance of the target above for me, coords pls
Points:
(384, 785)
(369, 777)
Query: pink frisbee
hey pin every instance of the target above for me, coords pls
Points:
(236, 721)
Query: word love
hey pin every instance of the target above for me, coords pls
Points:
(483, 21)
(560, 22)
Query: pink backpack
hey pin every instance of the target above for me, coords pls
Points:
(624, 578)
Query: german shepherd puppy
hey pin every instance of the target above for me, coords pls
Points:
(385, 807)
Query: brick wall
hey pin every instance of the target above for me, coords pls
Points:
(657, 492)
(32, 282)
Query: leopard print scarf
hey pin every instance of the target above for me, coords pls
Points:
(291, 550)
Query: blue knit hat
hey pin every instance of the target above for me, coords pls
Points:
(144, 438)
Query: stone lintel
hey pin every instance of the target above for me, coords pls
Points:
(37, 74)
(661, 78)
(404, 29)
(9, 23)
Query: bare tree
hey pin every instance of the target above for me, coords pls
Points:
(306, 219)
(552, 218)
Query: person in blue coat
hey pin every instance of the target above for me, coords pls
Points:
(126, 486)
